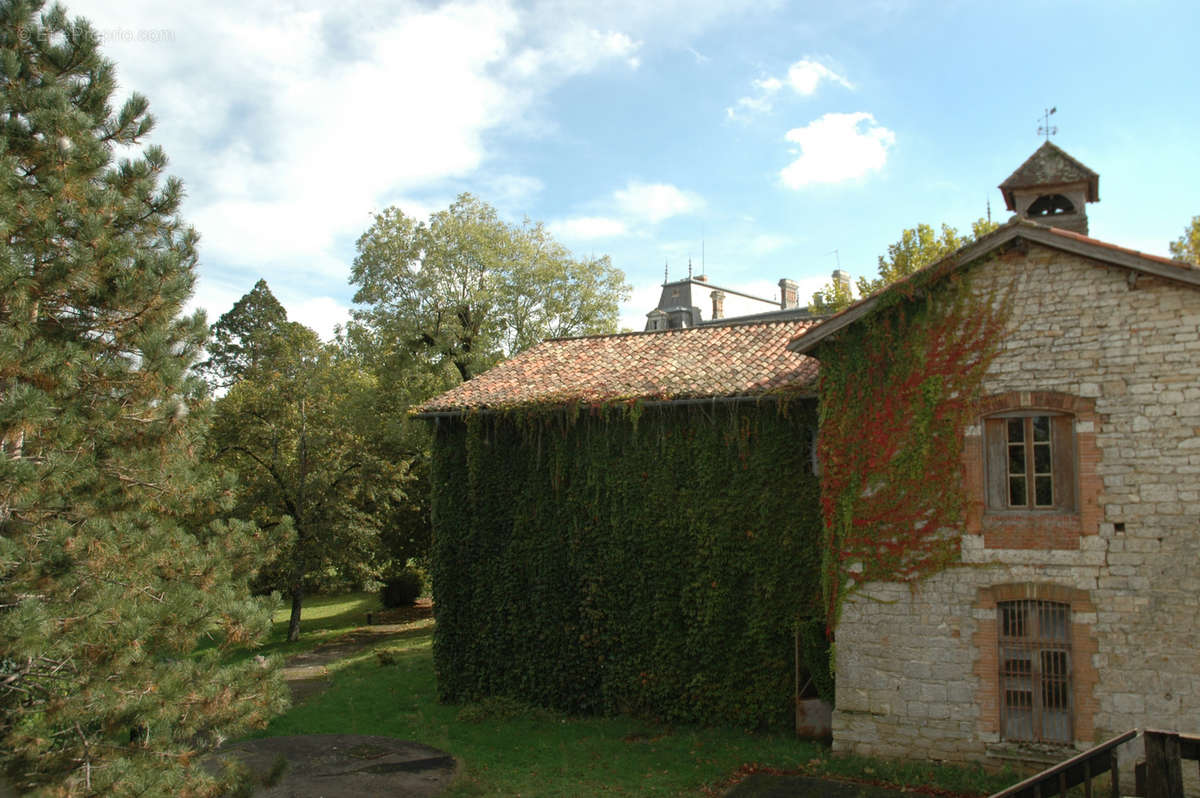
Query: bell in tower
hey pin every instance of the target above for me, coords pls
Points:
(1052, 188)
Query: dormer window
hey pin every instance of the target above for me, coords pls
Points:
(1050, 205)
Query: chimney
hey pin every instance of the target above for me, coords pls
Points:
(789, 294)
(702, 278)
(842, 280)
(718, 298)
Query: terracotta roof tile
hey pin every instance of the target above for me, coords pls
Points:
(699, 362)
(1179, 264)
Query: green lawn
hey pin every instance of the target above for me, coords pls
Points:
(510, 750)
(323, 618)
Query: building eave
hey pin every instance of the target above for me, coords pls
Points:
(1063, 240)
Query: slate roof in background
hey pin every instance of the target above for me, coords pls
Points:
(733, 360)
(1049, 165)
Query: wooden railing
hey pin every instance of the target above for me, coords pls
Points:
(1160, 775)
(1079, 769)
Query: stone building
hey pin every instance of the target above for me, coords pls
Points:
(1075, 612)
(682, 304)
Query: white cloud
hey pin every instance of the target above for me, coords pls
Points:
(587, 228)
(835, 148)
(513, 189)
(577, 49)
(746, 106)
(654, 202)
(768, 85)
(290, 129)
(321, 313)
(803, 77)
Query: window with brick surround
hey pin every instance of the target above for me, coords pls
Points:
(1030, 462)
(1035, 671)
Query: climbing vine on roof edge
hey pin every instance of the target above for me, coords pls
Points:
(896, 392)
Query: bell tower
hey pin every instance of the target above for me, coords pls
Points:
(1052, 188)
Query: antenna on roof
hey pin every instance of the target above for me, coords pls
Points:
(989, 207)
(689, 268)
(836, 256)
(1046, 129)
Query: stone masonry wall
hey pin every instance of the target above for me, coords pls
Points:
(916, 668)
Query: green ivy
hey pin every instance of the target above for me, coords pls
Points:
(652, 560)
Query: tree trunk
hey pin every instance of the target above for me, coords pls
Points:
(294, 622)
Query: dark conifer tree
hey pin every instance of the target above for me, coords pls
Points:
(244, 336)
(109, 573)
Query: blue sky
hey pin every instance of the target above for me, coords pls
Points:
(768, 139)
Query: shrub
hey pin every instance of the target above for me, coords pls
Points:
(401, 589)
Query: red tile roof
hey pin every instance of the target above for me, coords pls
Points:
(1178, 264)
(732, 360)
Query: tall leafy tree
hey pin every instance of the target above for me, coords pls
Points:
(109, 572)
(1187, 246)
(298, 429)
(241, 339)
(467, 288)
(917, 248)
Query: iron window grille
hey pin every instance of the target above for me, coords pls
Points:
(1035, 671)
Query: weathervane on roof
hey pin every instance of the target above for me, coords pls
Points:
(1046, 129)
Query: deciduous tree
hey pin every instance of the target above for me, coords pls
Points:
(467, 288)
(299, 429)
(917, 248)
(1187, 246)
(109, 573)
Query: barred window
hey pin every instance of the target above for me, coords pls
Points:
(1035, 671)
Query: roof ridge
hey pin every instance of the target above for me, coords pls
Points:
(679, 330)
(970, 253)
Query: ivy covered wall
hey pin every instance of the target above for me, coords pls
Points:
(653, 560)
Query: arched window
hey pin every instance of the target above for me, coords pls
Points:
(1050, 205)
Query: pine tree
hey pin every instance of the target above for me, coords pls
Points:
(109, 573)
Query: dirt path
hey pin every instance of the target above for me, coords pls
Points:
(342, 765)
(307, 674)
